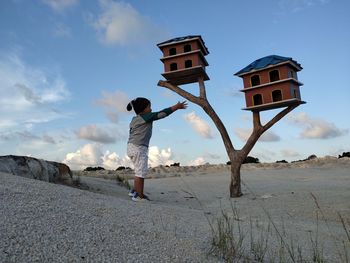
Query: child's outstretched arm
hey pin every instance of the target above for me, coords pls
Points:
(179, 105)
(153, 116)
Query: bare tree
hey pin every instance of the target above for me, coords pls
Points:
(236, 157)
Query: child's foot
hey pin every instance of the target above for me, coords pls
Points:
(137, 198)
(131, 193)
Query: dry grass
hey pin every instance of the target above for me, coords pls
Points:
(270, 243)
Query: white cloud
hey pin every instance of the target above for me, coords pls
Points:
(114, 103)
(99, 134)
(198, 161)
(268, 136)
(88, 155)
(112, 161)
(289, 153)
(199, 125)
(158, 156)
(315, 128)
(27, 93)
(60, 5)
(121, 24)
(92, 155)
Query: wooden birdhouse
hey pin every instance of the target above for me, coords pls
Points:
(184, 59)
(271, 82)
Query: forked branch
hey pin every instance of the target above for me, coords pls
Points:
(279, 116)
(236, 156)
(259, 129)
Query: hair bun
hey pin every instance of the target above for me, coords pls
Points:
(129, 107)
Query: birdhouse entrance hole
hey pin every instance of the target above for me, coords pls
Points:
(187, 48)
(255, 80)
(188, 64)
(276, 95)
(257, 99)
(274, 75)
(172, 51)
(173, 66)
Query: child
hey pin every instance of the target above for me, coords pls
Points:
(139, 136)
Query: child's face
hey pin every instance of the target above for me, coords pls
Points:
(148, 109)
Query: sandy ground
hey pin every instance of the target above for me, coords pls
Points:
(296, 205)
(300, 201)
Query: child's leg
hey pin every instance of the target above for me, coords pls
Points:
(139, 157)
(139, 185)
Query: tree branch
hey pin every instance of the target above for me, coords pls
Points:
(258, 129)
(181, 92)
(203, 102)
(278, 117)
(256, 120)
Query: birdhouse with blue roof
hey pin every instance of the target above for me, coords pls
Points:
(271, 82)
(184, 59)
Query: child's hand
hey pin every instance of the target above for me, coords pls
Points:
(181, 105)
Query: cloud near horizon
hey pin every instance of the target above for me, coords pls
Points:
(158, 156)
(120, 23)
(88, 155)
(197, 161)
(199, 125)
(313, 128)
(92, 154)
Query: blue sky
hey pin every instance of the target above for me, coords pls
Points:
(68, 68)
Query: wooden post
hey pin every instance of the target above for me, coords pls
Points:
(202, 92)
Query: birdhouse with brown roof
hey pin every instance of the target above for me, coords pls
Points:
(184, 59)
(271, 82)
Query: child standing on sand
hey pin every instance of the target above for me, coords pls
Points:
(139, 136)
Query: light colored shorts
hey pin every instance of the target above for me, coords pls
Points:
(139, 156)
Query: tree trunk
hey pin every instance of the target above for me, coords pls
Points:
(235, 184)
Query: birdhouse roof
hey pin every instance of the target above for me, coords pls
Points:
(268, 61)
(185, 39)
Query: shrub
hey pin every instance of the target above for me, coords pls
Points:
(345, 154)
(93, 168)
(282, 161)
(250, 159)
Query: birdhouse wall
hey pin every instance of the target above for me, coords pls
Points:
(284, 72)
(196, 46)
(277, 92)
(180, 48)
(181, 62)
